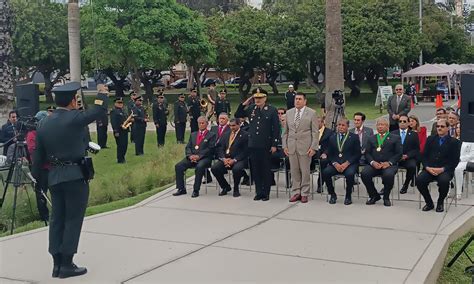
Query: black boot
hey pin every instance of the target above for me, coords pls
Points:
(69, 269)
(56, 265)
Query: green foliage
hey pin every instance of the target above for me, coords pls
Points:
(456, 274)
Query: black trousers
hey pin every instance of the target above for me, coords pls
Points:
(260, 159)
(139, 139)
(194, 125)
(388, 178)
(424, 179)
(180, 128)
(219, 171)
(410, 166)
(160, 135)
(42, 186)
(200, 170)
(69, 201)
(102, 136)
(349, 174)
(122, 145)
(323, 163)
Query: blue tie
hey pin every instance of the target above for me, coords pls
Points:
(403, 136)
(441, 141)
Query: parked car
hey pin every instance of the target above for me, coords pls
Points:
(181, 83)
(208, 81)
(235, 80)
(126, 85)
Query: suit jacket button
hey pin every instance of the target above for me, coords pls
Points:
(256, 133)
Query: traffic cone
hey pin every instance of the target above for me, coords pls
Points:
(412, 105)
(439, 101)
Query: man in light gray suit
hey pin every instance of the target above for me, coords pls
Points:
(363, 133)
(397, 105)
(300, 142)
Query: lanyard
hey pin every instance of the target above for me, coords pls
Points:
(381, 140)
(231, 140)
(339, 144)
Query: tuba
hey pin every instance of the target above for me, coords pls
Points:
(204, 105)
(128, 122)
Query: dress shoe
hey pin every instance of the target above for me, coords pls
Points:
(224, 191)
(440, 208)
(320, 189)
(372, 200)
(56, 265)
(403, 190)
(71, 270)
(179, 192)
(295, 198)
(55, 273)
(257, 197)
(348, 201)
(195, 194)
(265, 198)
(386, 202)
(208, 181)
(246, 181)
(381, 192)
(333, 199)
(236, 193)
(304, 199)
(428, 207)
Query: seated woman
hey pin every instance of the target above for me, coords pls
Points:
(421, 130)
(467, 155)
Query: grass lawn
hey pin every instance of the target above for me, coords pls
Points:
(115, 185)
(455, 274)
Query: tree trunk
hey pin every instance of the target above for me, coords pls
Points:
(197, 79)
(245, 85)
(48, 86)
(73, 23)
(118, 82)
(272, 75)
(334, 60)
(6, 79)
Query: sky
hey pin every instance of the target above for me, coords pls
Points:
(258, 3)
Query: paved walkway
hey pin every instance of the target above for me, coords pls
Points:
(214, 239)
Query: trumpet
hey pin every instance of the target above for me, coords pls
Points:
(128, 122)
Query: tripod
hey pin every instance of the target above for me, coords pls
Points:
(18, 175)
(338, 111)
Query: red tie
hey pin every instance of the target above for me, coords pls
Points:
(200, 137)
(219, 133)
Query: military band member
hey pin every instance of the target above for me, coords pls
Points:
(180, 116)
(194, 109)
(199, 155)
(140, 119)
(383, 152)
(61, 141)
(222, 104)
(211, 97)
(103, 121)
(232, 154)
(411, 150)
(130, 106)
(160, 113)
(264, 136)
(343, 154)
(117, 117)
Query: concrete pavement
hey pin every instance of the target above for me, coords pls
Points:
(214, 239)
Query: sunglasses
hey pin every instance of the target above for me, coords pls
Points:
(403, 121)
(281, 113)
(398, 89)
(440, 126)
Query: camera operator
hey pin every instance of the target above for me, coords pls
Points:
(62, 141)
(41, 185)
(8, 131)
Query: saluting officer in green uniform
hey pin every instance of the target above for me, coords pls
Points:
(61, 141)
(117, 118)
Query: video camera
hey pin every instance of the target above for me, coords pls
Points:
(25, 124)
(338, 97)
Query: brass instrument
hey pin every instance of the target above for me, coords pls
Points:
(128, 122)
(204, 105)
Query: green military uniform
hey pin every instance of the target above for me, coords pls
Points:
(62, 141)
(117, 118)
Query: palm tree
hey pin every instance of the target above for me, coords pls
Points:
(73, 18)
(334, 74)
(6, 82)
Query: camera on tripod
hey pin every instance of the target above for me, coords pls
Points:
(338, 97)
(25, 124)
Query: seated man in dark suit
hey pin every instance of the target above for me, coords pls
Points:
(410, 150)
(232, 155)
(363, 132)
(343, 154)
(199, 154)
(383, 152)
(219, 130)
(440, 158)
(324, 135)
(8, 131)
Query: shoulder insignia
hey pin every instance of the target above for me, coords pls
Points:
(99, 102)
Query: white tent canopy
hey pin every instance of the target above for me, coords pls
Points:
(429, 70)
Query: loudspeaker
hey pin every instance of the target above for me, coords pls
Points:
(27, 99)
(467, 107)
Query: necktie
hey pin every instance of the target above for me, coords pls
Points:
(341, 137)
(398, 101)
(219, 133)
(359, 132)
(441, 141)
(297, 119)
(403, 136)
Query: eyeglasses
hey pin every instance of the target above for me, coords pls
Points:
(398, 89)
(403, 121)
(440, 126)
(281, 113)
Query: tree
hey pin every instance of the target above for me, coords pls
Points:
(74, 36)
(143, 37)
(40, 45)
(209, 7)
(6, 86)
(334, 59)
